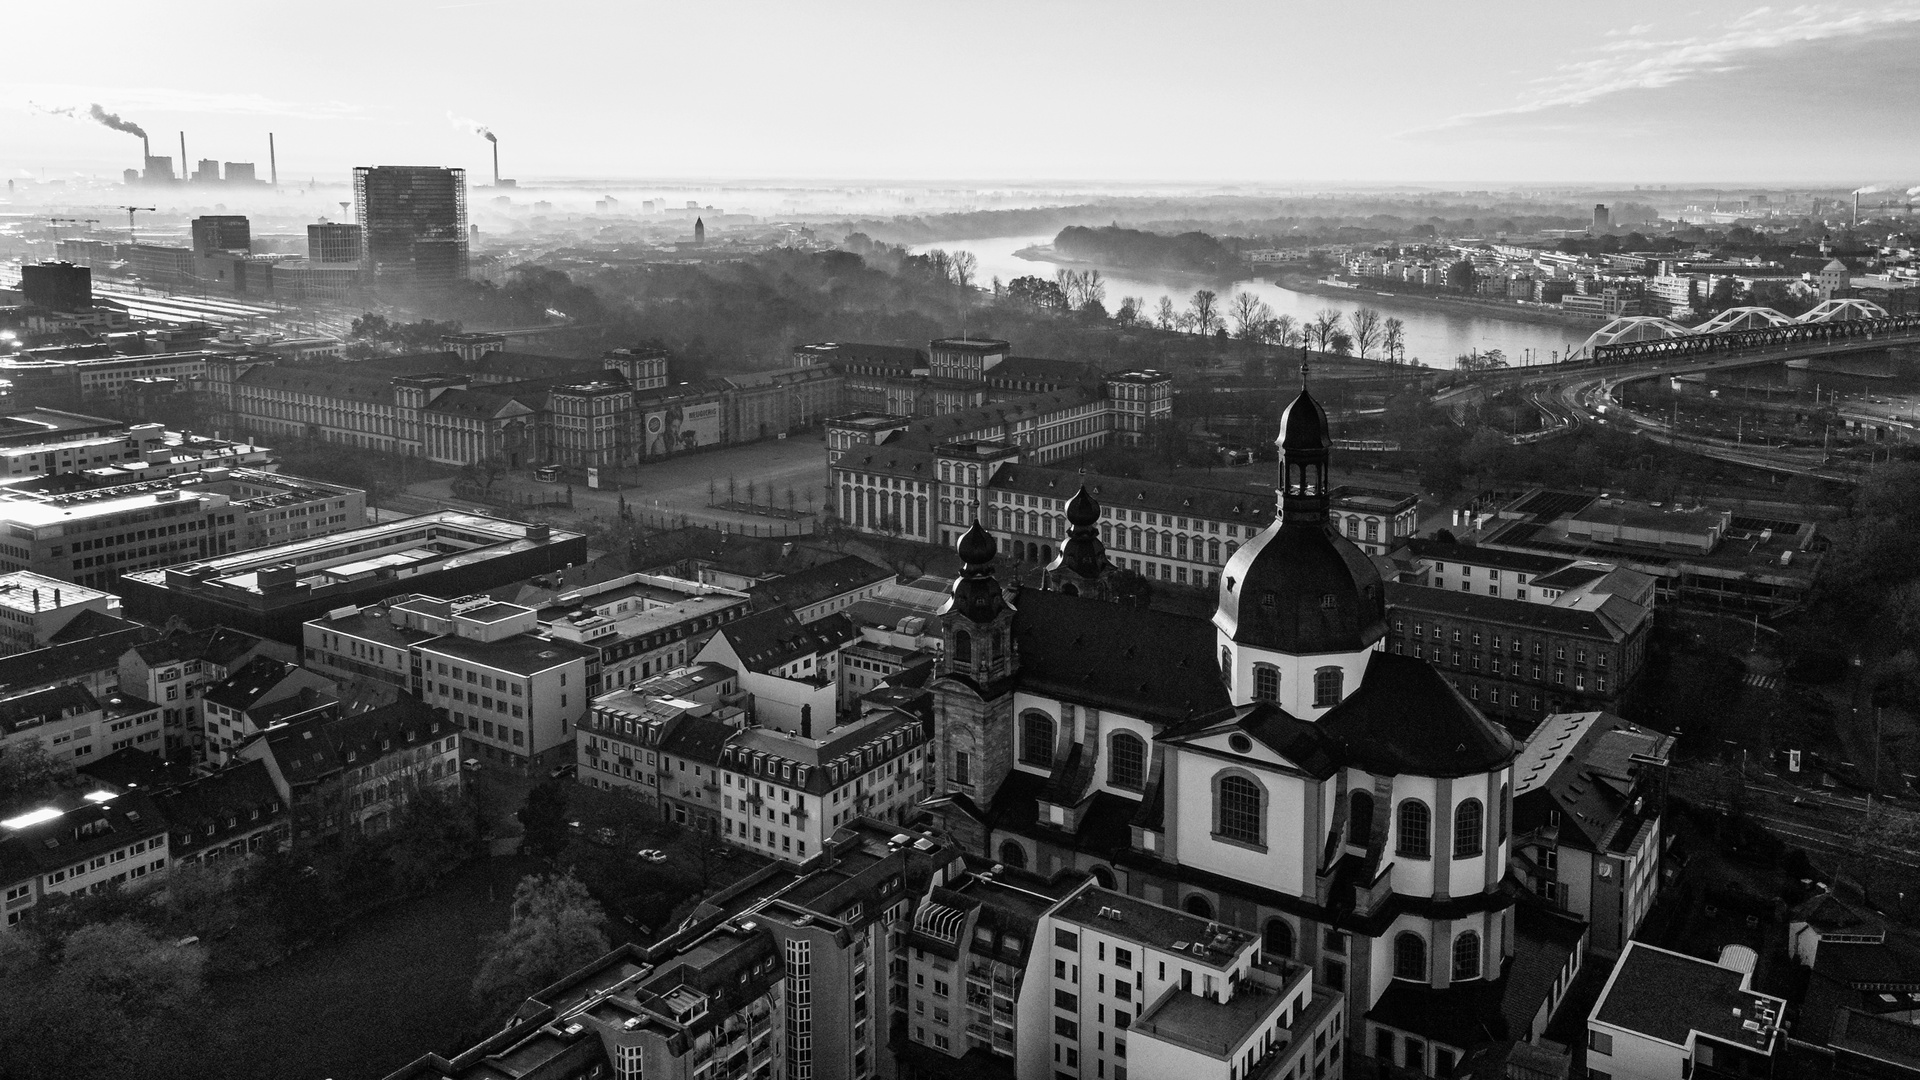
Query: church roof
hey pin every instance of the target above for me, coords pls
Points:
(1300, 589)
(1405, 719)
(1301, 742)
(1152, 664)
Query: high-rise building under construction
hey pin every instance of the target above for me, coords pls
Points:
(413, 221)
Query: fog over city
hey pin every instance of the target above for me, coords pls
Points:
(989, 540)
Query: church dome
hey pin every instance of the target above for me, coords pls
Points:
(976, 545)
(975, 593)
(1299, 589)
(1082, 510)
(1304, 425)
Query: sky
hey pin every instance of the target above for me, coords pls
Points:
(985, 91)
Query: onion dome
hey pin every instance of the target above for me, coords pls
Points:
(976, 595)
(1083, 553)
(1304, 425)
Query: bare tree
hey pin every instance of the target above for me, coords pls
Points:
(963, 266)
(1326, 322)
(1164, 316)
(751, 485)
(1206, 312)
(791, 499)
(1252, 315)
(1092, 288)
(1285, 331)
(1393, 339)
(1365, 322)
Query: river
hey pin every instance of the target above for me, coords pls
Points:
(1433, 337)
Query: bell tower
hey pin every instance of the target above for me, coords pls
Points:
(973, 689)
(1081, 568)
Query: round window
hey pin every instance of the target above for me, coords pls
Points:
(1240, 743)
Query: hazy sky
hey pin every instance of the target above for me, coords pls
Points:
(1639, 91)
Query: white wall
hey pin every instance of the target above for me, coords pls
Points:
(1296, 674)
(1280, 865)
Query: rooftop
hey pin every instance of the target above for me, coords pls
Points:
(1670, 996)
(24, 590)
(1116, 914)
(521, 654)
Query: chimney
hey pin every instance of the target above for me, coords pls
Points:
(183, 156)
(36, 599)
(273, 162)
(496, 162)
(56, 598)
(806, 721)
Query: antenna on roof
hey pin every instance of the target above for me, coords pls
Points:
(1303, 371)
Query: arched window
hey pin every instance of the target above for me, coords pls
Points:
(1410, 956)
(1360, 818)
(1195, 904)
(1012, 854)
(1503, 814)
(1416, 829)
(1237, 809)
(1266, 682)
(1279, 938)
(1329, 686)
(1036, 739)
(1126, 761)
(1469, 827)
(1226, 662)
(962, 647)
(1103, 877)
(1466, 956)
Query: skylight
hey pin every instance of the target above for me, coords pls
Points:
(31, 817)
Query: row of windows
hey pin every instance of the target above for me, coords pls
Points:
(1126, 752)
(1410, 956)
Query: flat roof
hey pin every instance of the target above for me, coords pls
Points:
(1204, 941)
(1668, 996)
(24, 590)
(522, 654)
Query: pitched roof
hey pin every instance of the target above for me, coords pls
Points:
(71, 661)
(236, 791)
(804, 588)
(43, 706)
(1405, 719)
(326, 379)
(1301, 742)
(1154, 664)
(1612, 620)
(216, 644)
(482, 404)
(769, 639)
(90, 623)
(1524, 562)
(1582, 765)
(244, 687)
(695, 738)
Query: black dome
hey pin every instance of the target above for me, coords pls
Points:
(976, 545)
(1300, 589)
(975, 593)
(1082, 510)
(1304, 425)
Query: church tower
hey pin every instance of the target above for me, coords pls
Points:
(1300, 607)
(1081, 568)
(973, 689)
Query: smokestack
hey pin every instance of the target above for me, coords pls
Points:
(496, 160)
(273, 162)
(145, 150)
(183, 155)
(1856, 209)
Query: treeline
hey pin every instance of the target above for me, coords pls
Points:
(1195, 252)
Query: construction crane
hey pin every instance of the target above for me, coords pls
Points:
(130, 210)
(54, 223)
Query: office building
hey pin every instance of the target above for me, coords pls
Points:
(221, 232)
(331, 242)
(1664, 1014)
(34, 608)
(518, 694)
(57, 286)
(413, 223)
(273, 590)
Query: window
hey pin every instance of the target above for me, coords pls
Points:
(1600, 1042)
(1278, 940)
(1410, 956)
(1328, 687)
(1266, 682)
(1197, 906)
(962, 768)
(1126, 761)
(962, 647)
(1036, 739)
(1466, 956)
(1360, 818)
(1416, 826)
(1012, 854)
(1226, 662)
(1237, 809)
(1468, 826)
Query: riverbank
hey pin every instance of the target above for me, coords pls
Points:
(1307, 283)
(1047, 253)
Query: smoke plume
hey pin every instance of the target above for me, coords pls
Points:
(54, 110)
(490, 136)
(1914, 190)
(1869, 189)
(113, 121)
(476, 126)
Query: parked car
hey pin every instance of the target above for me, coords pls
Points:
(652, 855)
(560, 771)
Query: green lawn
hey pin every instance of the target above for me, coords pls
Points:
(386, 990)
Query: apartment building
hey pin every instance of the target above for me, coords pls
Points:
(79, 843)
(1588, 826)
(786, 669)
(34, 608)
(175, 670)
(783, 794)
(265, 692)
(75, 725)
(225, 815)
(641, 624)
(619, 743)
(92, 661)
(370, 649)
(1664, 1014)
(818, 591)
(359, 771)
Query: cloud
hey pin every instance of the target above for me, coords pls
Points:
(1633, 61)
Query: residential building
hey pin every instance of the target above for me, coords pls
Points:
(223, 816)
(518, 695)
(273, 591)
(786, 669)
(176, 668)
(641, 624)
(783, 794)
(1587, 818)
(79, 843)
(34, 608)
(413, 223)
(94, 536)
(256, 697)
(1142, 400)
(367, 650)
(1442, 564)
(819, 591)
(72, 724)
(1666, 1015)
(357, 772)
(689, 772)
(92, 661)
(619, 741)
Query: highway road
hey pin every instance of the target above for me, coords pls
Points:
(1821, 822)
